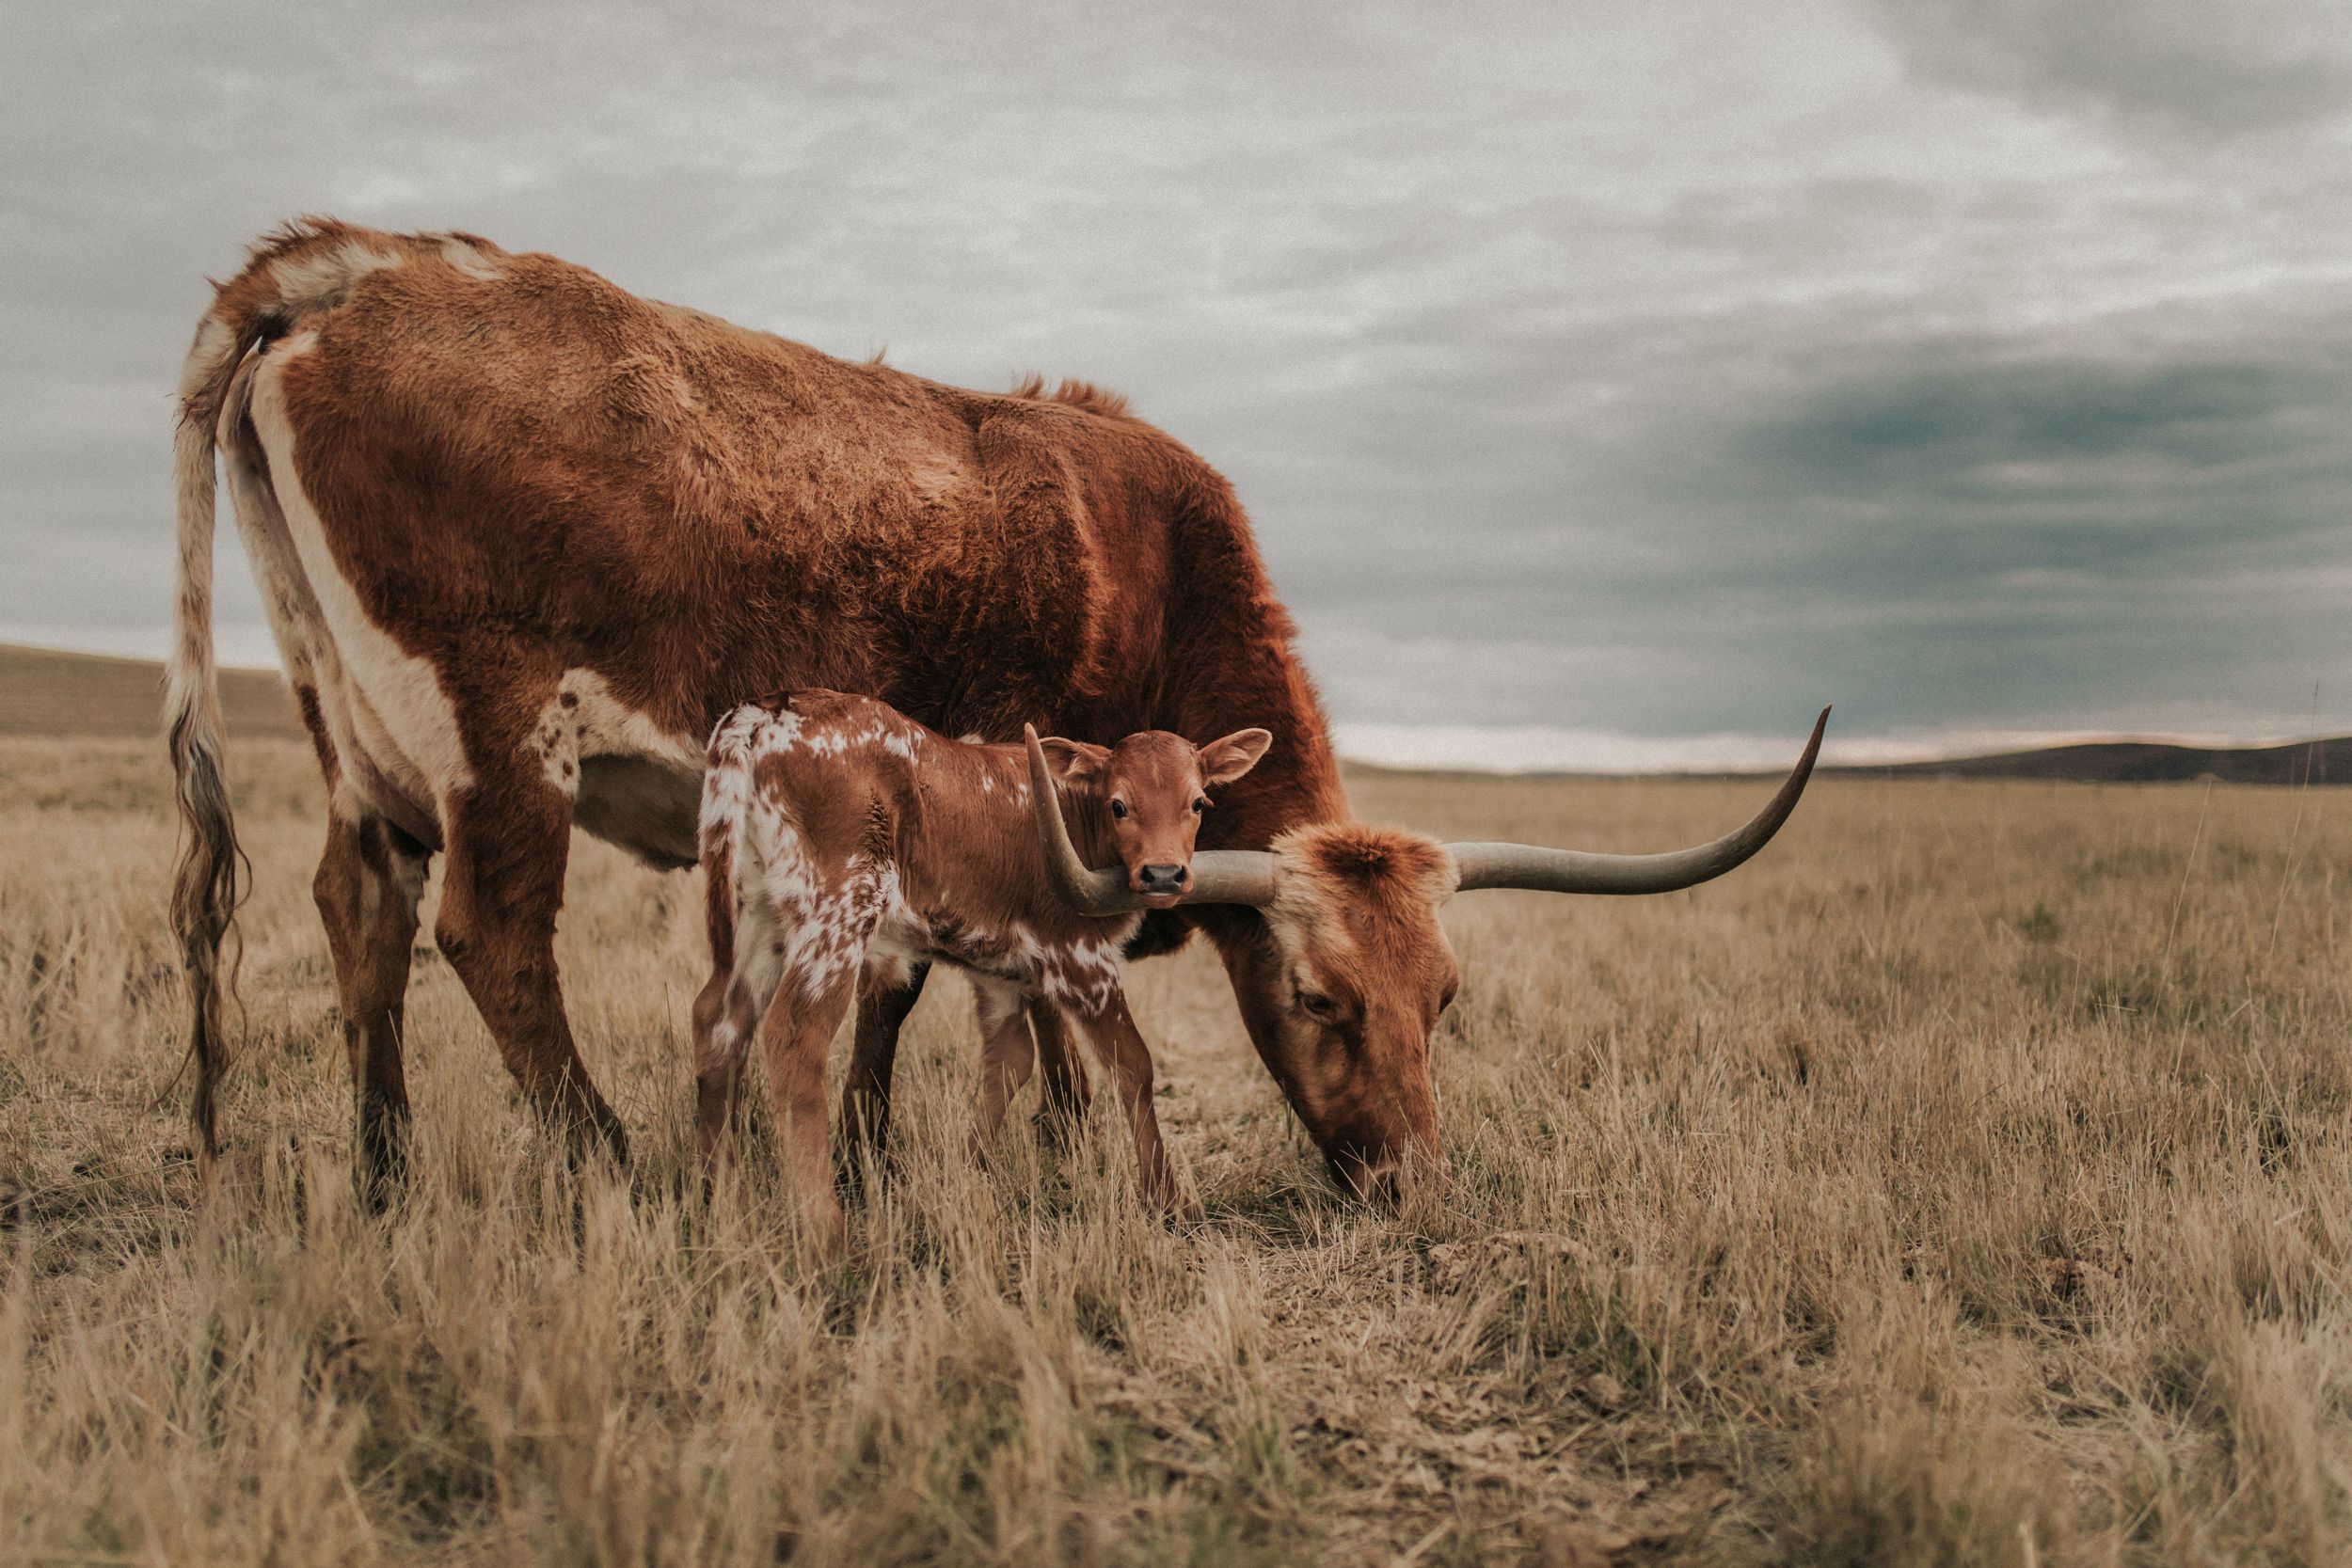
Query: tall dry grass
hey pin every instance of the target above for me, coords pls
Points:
(1964, 1183)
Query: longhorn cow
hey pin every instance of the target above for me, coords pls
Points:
(523, 537)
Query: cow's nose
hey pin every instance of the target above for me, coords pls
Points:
(1164, 878)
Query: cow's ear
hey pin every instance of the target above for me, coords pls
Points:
(1223, 761)
(1072, 761)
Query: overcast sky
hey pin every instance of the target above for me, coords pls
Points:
(1610, 383)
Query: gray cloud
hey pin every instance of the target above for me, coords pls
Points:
(2212, 66)
(1643, 371)
(2134, 524)
(2023, 437)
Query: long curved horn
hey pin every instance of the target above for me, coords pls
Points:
(1529, 865)
(1219, 876)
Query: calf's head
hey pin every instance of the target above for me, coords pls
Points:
(1146, 795)
(1344, 974)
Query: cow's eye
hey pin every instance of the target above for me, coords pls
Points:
(1200, 804)
(1119, 809)
(1319, 1006)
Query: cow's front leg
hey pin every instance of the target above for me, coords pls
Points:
(502, 888)
(369, 880)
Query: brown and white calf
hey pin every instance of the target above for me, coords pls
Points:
(841, 840)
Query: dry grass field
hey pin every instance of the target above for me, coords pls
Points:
(1963, 1182)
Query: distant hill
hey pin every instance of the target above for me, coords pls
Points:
(2320, 761)
(43, 691)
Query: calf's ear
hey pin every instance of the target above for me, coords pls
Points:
(1223, 761)
(1072, 761)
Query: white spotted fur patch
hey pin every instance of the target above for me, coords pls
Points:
(323, 279)
(585, 720)
(469, 260)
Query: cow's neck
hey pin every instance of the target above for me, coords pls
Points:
(1297, 782)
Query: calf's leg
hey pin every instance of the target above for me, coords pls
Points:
(1063, 1106)
(1007, 1058)
(726, 1015)
(1120, 1044)
(794, 1039)
(884, 1003)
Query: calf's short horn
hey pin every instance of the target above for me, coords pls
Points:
(1219, 876)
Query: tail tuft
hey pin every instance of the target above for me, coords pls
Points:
(209, 882)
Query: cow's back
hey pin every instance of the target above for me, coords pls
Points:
(698, 511)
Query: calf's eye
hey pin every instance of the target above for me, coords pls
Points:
(1200, 804)
(1119, 809)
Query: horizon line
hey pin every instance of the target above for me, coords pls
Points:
(1538, 750)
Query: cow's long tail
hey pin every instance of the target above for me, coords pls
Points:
(208, 881)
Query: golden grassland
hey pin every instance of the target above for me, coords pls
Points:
(1963, 1182)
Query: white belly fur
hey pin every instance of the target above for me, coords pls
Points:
(415, 741)
(631, 783)
(584, 720)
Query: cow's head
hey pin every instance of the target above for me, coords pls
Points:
(1146, 795)
(1343, 982)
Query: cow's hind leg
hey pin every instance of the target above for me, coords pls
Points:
(883, 1001)
(502, 886)
(368, 883)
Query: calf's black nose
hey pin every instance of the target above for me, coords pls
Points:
(1164, 878)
